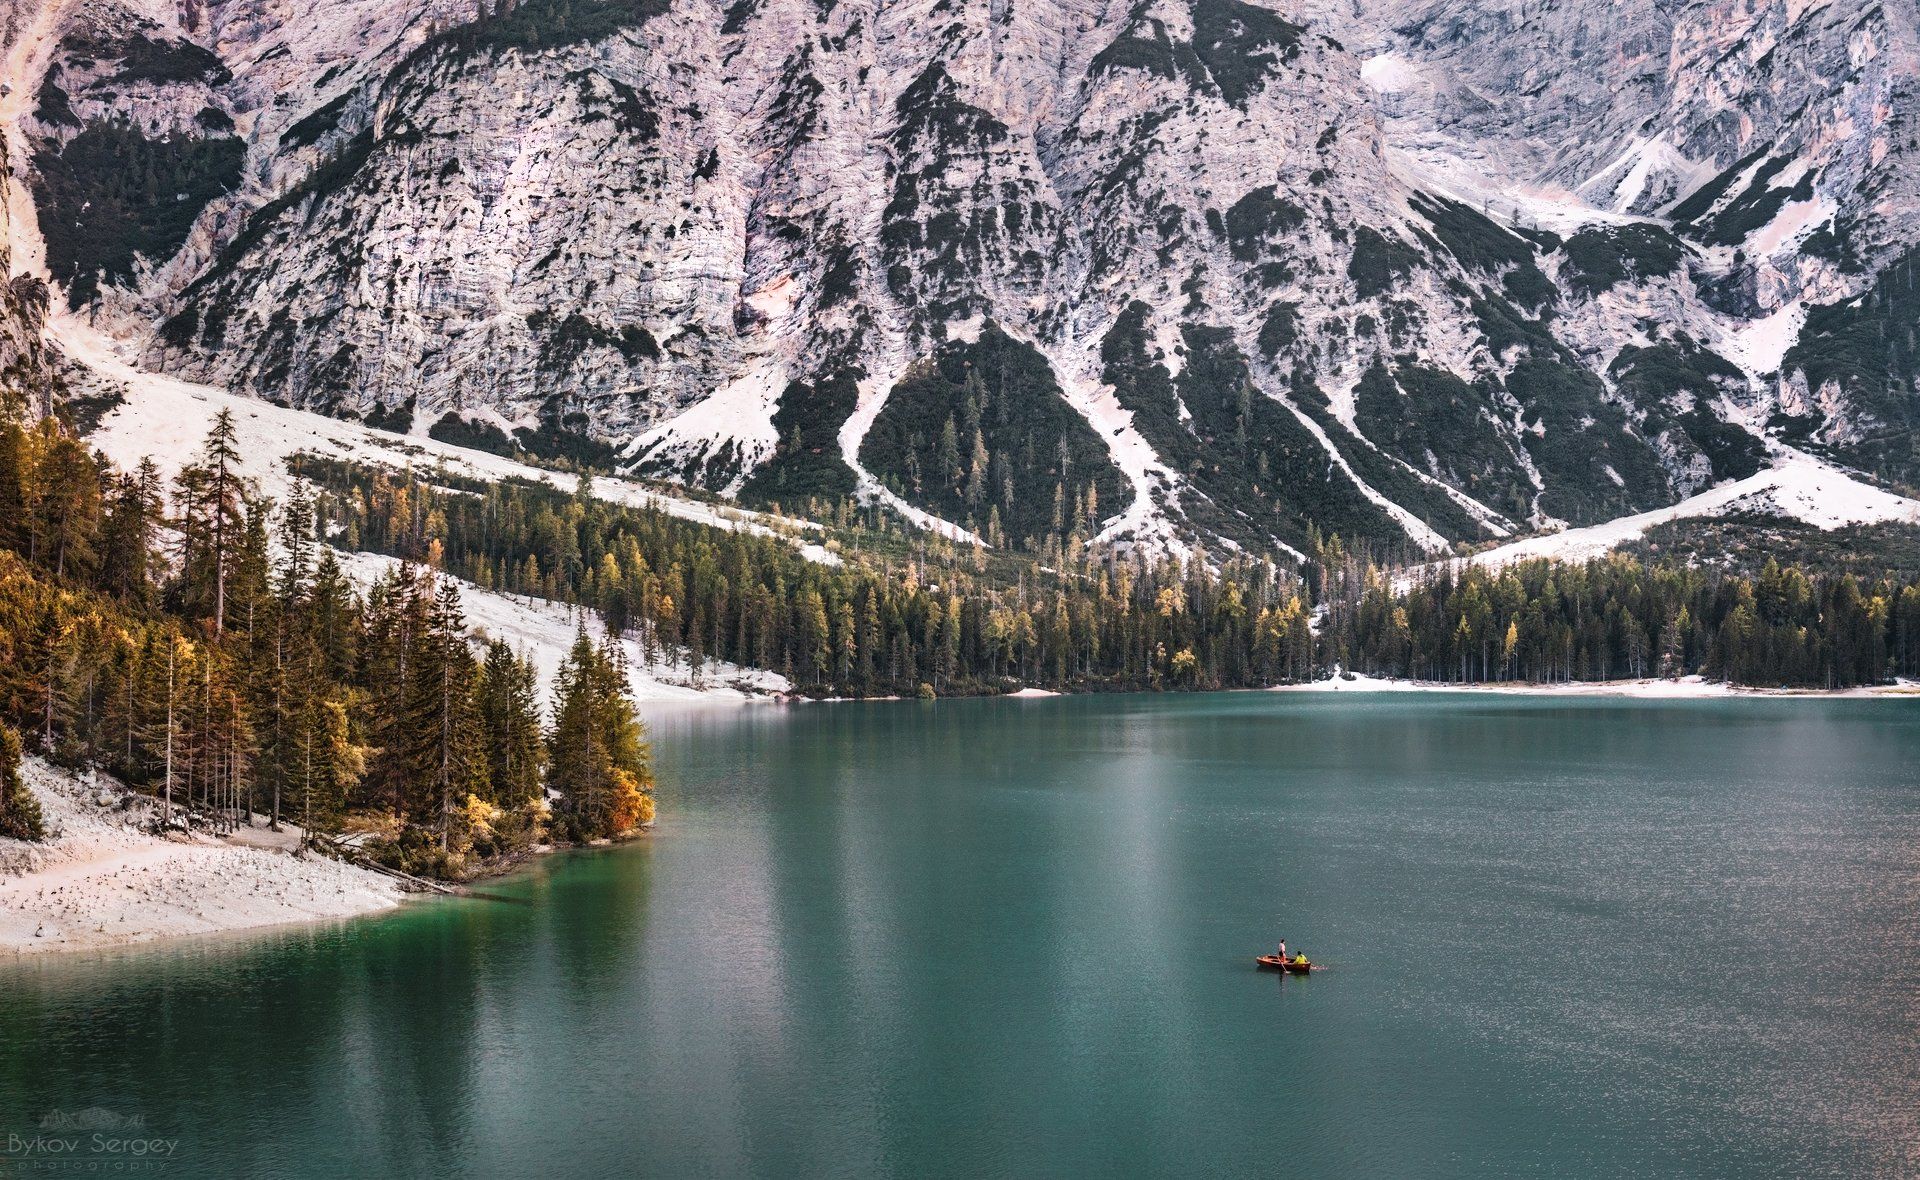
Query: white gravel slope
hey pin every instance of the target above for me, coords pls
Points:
(100, 881)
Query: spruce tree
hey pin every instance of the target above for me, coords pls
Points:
(20, 817)
(211, 498)
(128, 535)
(66, 519)
(509, 707)
(598, 758)
(327, 763)
(16, 488)
(441, 724)
(334, 617)
(395, 615)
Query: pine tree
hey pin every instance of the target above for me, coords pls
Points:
(598, 758)
(167, 716)
(283, 668)
(66, 521)
(211, 496)
(441, 739)
(128, 536)
(20, 817)
(16, 489)
(327, 763)
(250, 582)
(395, 616)
(334, 618)
(82, 674)
(509, 706)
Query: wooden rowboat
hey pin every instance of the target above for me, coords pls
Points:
(1276, 963)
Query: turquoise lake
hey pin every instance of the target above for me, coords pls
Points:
(1015, 938)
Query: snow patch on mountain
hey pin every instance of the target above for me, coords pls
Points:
(166, 420)
(1791, 226)
(1417, 530)
(1152, 481)
(736, 424)
(543, 632)
(1390, 73)
(1758, 346)
(1619, 186)
(1142, 521)
(1797, 486)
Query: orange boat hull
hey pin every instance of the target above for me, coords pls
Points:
(1275, 963)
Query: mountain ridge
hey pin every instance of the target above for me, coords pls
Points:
(1289, 286)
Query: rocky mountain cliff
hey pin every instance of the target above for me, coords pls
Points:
(1421, 271)
(25, 368)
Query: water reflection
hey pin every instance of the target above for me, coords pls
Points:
(998, 937)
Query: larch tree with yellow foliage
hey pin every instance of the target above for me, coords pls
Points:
(598, 758)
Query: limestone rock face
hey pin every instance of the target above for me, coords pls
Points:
(26, 372)
(1227, 271)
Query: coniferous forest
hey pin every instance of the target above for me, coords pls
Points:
(204, 645)
(1622, 618)
(156, 632)
(919, 616)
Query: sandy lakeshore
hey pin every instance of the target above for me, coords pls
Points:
(100, 881)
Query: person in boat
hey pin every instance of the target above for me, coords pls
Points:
(1300, 960)
(1283, 950)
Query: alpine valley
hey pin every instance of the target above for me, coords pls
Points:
(1453, 467)
(1163, 274)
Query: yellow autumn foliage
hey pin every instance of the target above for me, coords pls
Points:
(632, 806)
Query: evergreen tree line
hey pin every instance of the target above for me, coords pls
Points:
(1622, 618)
(933, 620)
(941, 620)
(154, 631)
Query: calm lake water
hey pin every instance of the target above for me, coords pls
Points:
(1014, 938)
